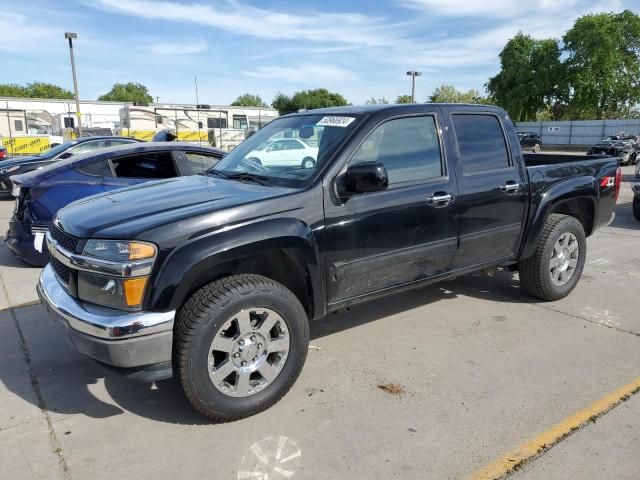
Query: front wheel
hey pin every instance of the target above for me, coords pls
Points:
(308, 162)
(239, 345)
(554, 269)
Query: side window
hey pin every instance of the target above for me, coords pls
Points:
(276, 146)
(119, 142)
(481, 142)
(240, 121)
(293, 145)
(99, 169)
(86, 147)
(408, 147)
(148, 165)
(194, 163)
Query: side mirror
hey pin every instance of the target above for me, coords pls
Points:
(65, 155)
(364, 178)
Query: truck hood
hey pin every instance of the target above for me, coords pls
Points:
(127, 213)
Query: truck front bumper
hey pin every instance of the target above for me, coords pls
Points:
(139, 343)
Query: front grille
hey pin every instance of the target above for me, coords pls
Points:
(62, 271)
(66, 241)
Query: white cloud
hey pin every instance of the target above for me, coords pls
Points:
(20, 33)
(306, 74)
(177, 48)
(495, 8)
(243, 19)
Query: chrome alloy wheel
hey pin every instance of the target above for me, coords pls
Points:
(564, 259)
(248, 352)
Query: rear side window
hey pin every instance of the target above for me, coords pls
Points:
(408, 147)
(481, 143)
(194, 163)
(99, 169)
(148, 165)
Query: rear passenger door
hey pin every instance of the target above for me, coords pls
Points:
(492, 188)
(139, 168)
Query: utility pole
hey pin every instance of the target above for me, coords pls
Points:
(195, 79)
(70, 36)
(413, 74)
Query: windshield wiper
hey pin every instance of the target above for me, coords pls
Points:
(241, 176)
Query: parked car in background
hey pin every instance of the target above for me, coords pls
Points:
(285, 152)
(636, 200)
(20, 165)
(40, 194)
(215, 278)
(626, 148)
(3, 153)
(530, 141)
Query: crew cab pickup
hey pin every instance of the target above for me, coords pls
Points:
(214, 278)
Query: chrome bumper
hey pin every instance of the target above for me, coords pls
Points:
(120, 339)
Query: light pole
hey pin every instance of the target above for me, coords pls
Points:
(413, 75)
(70, 36)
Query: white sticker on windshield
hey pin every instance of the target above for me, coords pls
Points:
(341, 122)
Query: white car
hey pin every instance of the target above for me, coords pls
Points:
(286, 152)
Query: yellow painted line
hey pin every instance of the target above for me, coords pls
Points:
(529, 450)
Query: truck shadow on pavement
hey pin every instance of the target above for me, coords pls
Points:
(40, 367)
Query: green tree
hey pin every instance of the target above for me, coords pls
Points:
(450, 94)
(403, 99)
(34, 90)
(376, 101)
(283, 104)
(128, 92)
(531, 77)
(603, 65)
(307, 99)
(249, 100)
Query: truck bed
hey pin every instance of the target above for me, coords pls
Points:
(538, 159)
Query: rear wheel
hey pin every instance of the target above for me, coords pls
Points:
(636, 207)
(554, 269)
(239, 345)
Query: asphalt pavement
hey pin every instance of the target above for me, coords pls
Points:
(436, 383)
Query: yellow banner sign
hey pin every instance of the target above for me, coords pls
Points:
(26, 145)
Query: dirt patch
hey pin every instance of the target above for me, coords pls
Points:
(392, 389)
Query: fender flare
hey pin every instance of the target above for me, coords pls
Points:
(585, 187)
(176, 277)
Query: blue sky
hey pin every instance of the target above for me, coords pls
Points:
(358, 48)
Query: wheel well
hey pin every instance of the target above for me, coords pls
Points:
(284, 266)
(580, 208)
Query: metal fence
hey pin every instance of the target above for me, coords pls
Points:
(579, 133)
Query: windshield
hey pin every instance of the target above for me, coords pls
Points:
(289, 150)
(56, 150)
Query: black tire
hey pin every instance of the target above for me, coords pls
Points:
(633, 159)
(308, 162)
(203, 315)
(636, 207)
(534, 271)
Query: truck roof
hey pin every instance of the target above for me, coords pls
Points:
(399, 107)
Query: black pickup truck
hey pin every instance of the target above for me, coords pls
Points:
(214, 278)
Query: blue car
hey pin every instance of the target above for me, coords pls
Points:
(18, 165)
(41, 193)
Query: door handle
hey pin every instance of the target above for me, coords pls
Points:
(510, 187)
(440, 199)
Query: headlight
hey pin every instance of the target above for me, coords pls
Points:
(10, 169)
(122, 292)
(119, 250)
